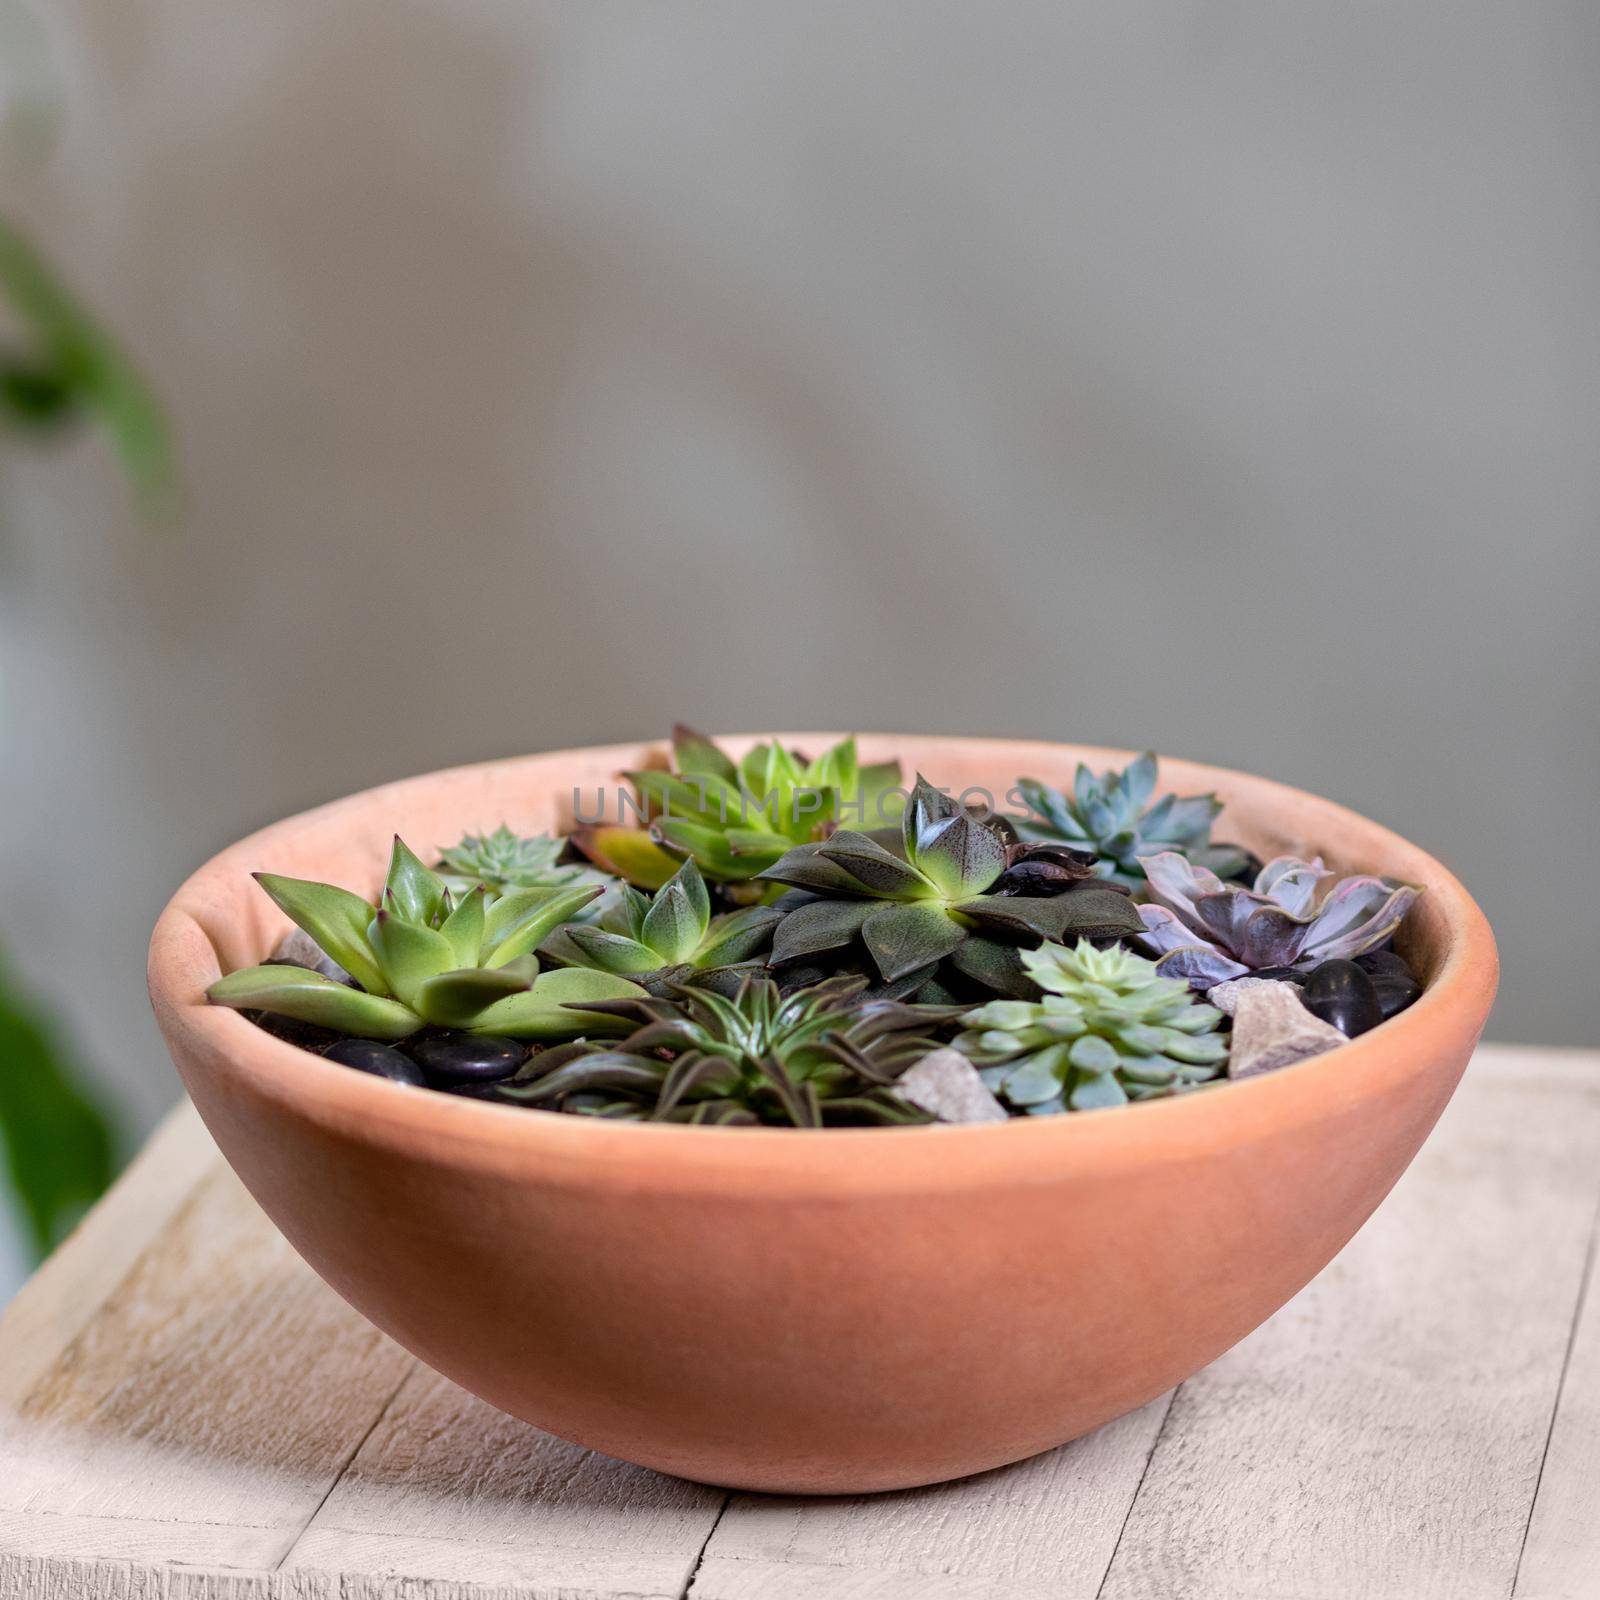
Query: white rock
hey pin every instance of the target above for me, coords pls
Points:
(297, 946)
(948, 1085)
(1271, 1028)
(1225, 996)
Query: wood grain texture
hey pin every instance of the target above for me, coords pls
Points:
(446, 1486)
(1561, 1556)
(206, 1410)
(1041, 1530)
(186, 1413)
(58, 1300)
(1382, 1436)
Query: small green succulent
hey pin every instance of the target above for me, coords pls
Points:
(818, 1057)
(1105, 816)
(503, 861)
(666, 937)
(1109, 1029)
(915, 908)
(424, 958)
(735, 819)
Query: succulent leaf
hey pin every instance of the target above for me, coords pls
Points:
(335, 918)
(628, 853)
(1108, 1025)
(823, 925)
(309, 997)
(457, 999)
(407, 952)
(555, 1006)
(808, 1060)
(735, 819)
(1206, 931)
(464, 928)
(678, 916)
(451, 965)
(518, 923)
(417, 890)
(694, 753)
(1107, 816)
(502, 861)
(960, 857)
(901, 938)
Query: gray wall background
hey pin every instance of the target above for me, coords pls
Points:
(1221, 378)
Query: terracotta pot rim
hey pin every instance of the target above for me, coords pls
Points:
(183, 960)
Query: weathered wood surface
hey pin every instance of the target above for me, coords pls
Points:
(186, 1413)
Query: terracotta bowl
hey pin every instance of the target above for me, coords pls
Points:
(836, 1311)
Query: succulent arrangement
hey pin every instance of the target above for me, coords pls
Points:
(799, 942)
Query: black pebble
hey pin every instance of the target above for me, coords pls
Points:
(452, 1059)
(1385, 964)
(1395, 993)
(1341, 993)
(382, 1061)
(292, 1031)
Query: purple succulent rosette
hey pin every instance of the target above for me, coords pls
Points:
(1206, 931)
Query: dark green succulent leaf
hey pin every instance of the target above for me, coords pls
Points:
(901, 938)
(995, 965)
(611, 952)
(678, 917)
(556, 1006)
(927, 806)
(335, 918)
(878, 871)
(821, 926)
(737, 935)
(694, 753)
(807, 868)
(457, 999)
(408, 953)
(309, 997)
(1089, 912)
(873, 1111)
(611, 1070)
(418, 891)
(518, 922)
(961, 857)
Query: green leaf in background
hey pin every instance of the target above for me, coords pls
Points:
(68, 364)
(57, 1144)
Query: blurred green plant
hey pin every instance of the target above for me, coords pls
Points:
(56, 1137)
(59, 367)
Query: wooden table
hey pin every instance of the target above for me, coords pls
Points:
(186, 1413)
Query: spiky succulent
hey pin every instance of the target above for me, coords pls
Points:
(734, 819)
(421, 958)
(503, 861)
(815, 1058)
(1207, 931)
(668, 936)
(1106, 816)
(1109, 1029)
(932, 899)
